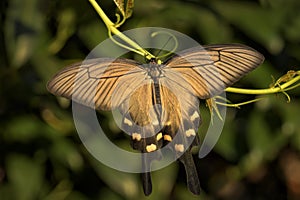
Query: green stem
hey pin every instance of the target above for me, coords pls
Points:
(111, 27)
(272, 90)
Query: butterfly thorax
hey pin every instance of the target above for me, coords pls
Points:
(154, 71)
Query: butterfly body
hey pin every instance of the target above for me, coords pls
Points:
(159, 102)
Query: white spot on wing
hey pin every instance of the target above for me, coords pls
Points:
(151, 147)
(136, 136)
(127, 121)
(168, 138)
(158, 136)
(179, 147)
(194, 116)
(190, 132)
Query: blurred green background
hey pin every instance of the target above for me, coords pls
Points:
(41, 156)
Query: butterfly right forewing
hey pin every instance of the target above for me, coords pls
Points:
(212, 68)
(102, 83)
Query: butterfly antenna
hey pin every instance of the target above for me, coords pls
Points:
(163, 46)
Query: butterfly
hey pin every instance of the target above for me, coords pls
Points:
(159, 102)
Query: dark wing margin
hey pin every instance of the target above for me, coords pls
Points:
(101, 83)
(212, 68)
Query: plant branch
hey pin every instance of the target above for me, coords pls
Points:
(112, 29)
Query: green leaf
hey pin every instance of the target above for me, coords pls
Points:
(255, 21)
(129, 8)
(24, 25)
(66, 152)
(25, 176)
(120, 5)
(259, 134)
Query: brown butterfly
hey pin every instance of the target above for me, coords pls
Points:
(159, 102)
